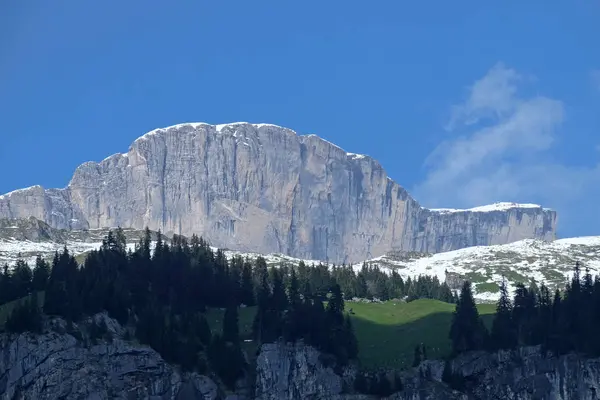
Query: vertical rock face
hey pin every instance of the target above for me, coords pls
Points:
(529, 374)
(293, 371)
(263, 188)
(62, 365)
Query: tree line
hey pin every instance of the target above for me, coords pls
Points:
(213, 272)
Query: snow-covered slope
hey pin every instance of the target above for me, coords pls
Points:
(485, 266)
(501, 206)
(548, 262)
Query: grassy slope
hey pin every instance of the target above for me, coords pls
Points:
(214, 317)
(387, 332)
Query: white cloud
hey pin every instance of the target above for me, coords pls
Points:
(501, 150)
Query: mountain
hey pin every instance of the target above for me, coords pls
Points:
(485, 266)
(263, 188)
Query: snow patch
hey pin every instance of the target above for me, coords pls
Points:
(502, 206)
(356, 156)
(270, 126)
(20, 190)
(220, 127)
(125, 155)
(153, 132)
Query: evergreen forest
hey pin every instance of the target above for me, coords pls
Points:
(163, 292)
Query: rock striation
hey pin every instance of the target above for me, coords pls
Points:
(265, 189)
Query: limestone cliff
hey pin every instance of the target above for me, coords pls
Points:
(263, 188)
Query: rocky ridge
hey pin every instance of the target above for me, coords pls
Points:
(265, 189)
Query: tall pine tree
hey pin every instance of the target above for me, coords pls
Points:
(503, 335)
(467, 331)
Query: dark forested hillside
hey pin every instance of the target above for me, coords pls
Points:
(164, 293)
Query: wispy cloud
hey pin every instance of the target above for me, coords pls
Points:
(500, 149)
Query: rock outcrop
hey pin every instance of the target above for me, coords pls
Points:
(33, 230)
(63, 364)
(295, 372)
(529, 374)
(263, 188)
(66, 363)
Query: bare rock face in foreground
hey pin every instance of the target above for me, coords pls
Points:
(263, 188)
(294, 372)
(62, 363)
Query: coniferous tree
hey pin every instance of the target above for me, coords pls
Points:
(21, 279)
(279, 300)
(335, 325)
(263, 320)
(6, 287)
(230, 324)
(351, 343)
(503, 335)
(543, 322)
(227, 360)
(235, 279)
(41, 274)
(317, 335)
(361, 286)
(556, 344)
(467, 331)
(247, 285)
(573, 325)
(294, 314)
(417, 357)
(120, 240)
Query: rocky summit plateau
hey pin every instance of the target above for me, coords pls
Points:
(263, 188)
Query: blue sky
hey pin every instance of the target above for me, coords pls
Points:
(463, 102)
